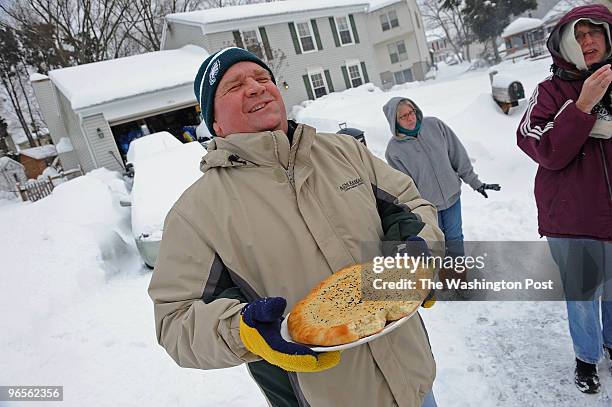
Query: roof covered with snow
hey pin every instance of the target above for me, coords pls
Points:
(277, 8)
(99, 82)
(38, 77)
(41, 152)
(4, 161)
(521, 25)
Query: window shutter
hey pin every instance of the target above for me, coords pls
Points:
(345, 75)
(329, 82)
(238, 39)
(365, 73)
(332, 23)
(266, 43)
(316, 34)
(354, 28)
(296, 42)
(308, 87)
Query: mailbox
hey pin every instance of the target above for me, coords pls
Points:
(506, 91)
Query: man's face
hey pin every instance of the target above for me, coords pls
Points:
(592, 40)
(247, 101)
(406, 117)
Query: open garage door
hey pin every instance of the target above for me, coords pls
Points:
(181, 123)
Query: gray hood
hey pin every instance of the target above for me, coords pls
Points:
(390, 109)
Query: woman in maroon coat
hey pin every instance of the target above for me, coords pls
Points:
(567, 130)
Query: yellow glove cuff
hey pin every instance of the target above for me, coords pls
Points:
(254, 342)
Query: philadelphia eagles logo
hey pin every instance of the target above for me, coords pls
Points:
(212, 76)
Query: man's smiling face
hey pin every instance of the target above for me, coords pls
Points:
(247, 101)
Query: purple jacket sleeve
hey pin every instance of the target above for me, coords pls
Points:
(553, 129)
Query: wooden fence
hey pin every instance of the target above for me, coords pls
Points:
(37, 189)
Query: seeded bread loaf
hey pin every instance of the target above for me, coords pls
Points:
(334, 313)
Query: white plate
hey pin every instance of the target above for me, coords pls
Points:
(388, 328)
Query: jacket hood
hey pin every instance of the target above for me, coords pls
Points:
(390, 110)
(564, 48)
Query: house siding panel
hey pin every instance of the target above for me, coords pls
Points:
(178, 35)
(105, 149)
(75, 133)
(371, 49)
(414, 38)
(49, 107)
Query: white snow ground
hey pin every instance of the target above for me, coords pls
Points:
(74, 310)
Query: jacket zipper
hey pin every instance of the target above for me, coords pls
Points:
(605, 166)
(288, 172)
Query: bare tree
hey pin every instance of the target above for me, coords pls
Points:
(437, 17)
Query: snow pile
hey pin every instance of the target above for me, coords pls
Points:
(64, 145)
(83, 218)
(74, 309)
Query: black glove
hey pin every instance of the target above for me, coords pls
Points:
(483, 187)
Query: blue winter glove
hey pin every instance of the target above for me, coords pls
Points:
(260, 332)
(416, 246)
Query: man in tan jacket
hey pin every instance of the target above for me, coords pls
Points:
(279, 208)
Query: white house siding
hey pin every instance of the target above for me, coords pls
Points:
(371, 49)
(409, 32)
(50, 110)
(178, 35)
(330, 58)
(104, 148)
(73, 125)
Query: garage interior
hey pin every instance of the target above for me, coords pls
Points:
(180, 123)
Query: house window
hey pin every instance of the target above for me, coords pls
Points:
(397, 51)
(306, 38)
(402, 76)
(344, 30)
(355, 75)
(319, 86)
(389, 20)
(250, 39)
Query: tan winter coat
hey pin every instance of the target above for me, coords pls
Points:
(280, 220)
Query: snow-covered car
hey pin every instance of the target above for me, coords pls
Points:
(452, 60)
(163, 169)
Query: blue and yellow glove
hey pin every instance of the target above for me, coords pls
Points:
(260, 324)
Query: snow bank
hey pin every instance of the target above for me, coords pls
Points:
(62, 248)
(64, 145)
